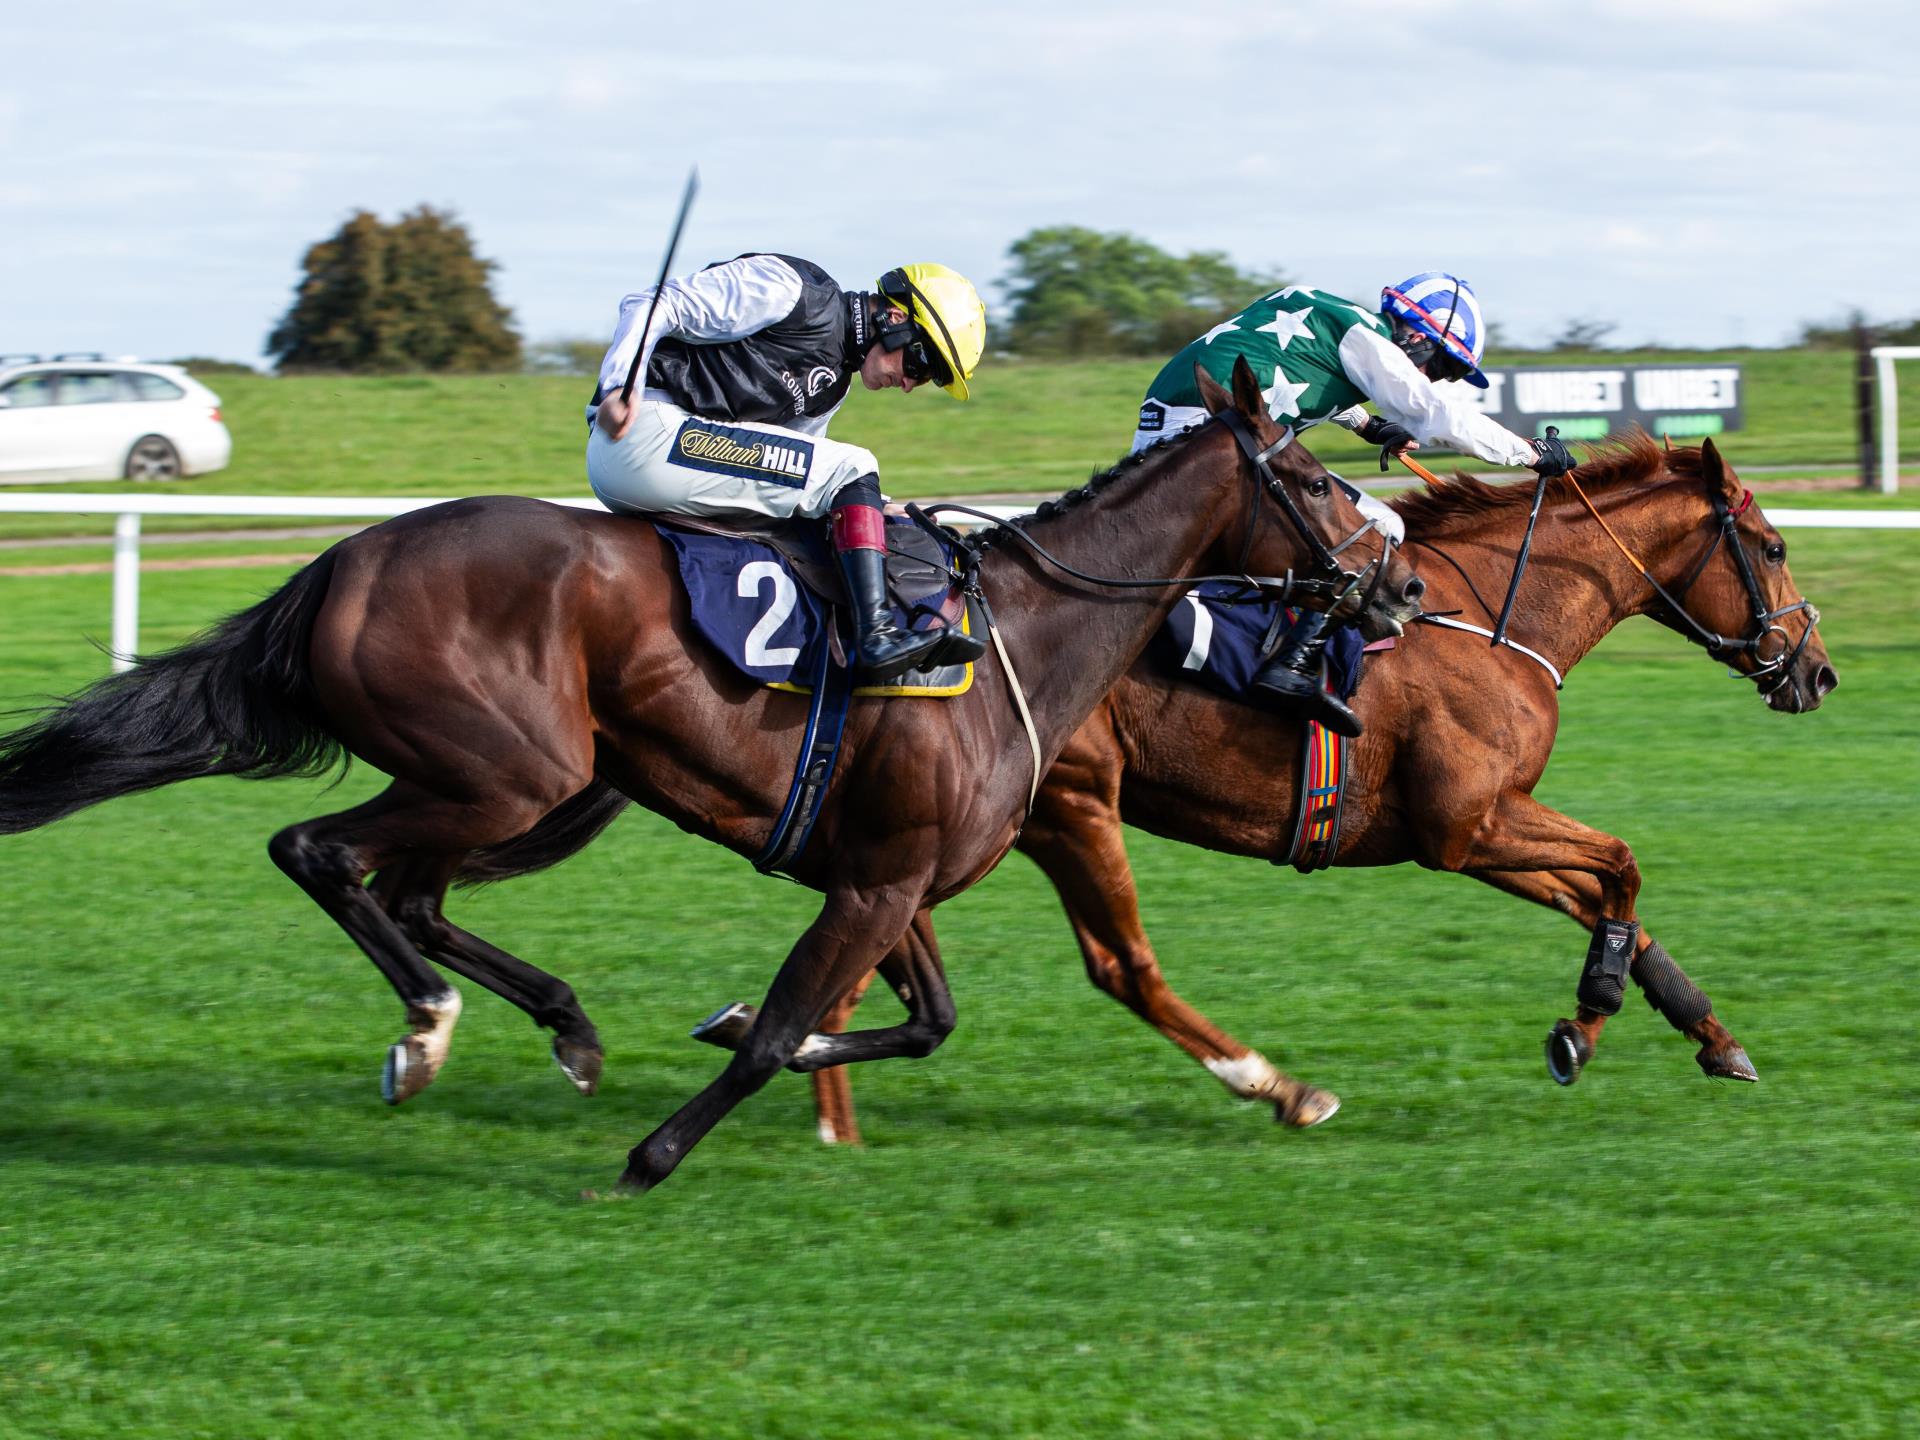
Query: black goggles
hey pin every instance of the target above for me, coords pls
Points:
(921, 362)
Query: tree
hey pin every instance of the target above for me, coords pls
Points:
(1583, 333)
(407, 296)
(1074, 291)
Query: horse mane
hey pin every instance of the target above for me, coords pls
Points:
(1459, 500)
(988, 538)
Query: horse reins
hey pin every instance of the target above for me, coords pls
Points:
(1717, 645)
(1329, 579)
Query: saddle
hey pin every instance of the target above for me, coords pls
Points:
(918, 565)
(726, 567)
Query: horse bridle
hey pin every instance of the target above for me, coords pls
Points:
(1328, 578)
(1765, 621)
(1326, 558)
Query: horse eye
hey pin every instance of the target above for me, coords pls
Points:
(1318, 489)
(1775, 552)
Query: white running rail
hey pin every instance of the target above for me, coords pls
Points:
(128, 508)
(1883, 358)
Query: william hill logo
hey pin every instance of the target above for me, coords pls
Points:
(744, 452)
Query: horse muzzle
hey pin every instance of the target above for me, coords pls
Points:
(1803, 689)
(1391, 611)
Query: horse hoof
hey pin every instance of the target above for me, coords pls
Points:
(1568, 1051)
(831, 1134)
(725, 1027)
(580, 1063)
(1309, 1107)
(1730, 1063)
(406, 1072)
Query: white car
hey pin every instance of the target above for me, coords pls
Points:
(89, 418)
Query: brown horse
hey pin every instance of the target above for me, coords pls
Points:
(499, 657)
(1457, 735)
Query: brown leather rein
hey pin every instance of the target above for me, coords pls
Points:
(1765, 621)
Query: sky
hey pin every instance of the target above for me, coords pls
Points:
(1701, 172)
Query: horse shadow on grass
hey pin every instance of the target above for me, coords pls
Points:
(303, 1115)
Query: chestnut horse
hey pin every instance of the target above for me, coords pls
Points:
(499, 657)
(1457, 735)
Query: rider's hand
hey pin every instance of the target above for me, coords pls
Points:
(1553, 458)
(615, 416)
(1392, 438)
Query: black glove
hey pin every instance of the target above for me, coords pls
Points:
(1386, 434)
(1553, 458)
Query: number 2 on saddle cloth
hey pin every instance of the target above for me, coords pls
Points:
(1216, 637)
(749, 603)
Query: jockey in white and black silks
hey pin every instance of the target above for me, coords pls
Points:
(1324, 357)
(746, 363)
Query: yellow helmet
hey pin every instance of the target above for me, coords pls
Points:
(946, 309)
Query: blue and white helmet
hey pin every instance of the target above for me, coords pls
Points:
(1444, 308)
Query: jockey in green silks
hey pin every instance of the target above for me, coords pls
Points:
(1323, 358)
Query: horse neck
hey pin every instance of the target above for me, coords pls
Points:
(1577, 586)
(1069, 641)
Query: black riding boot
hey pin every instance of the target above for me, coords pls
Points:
(1290, 680)
(883, 649)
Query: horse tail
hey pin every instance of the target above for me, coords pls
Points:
(239, 700)
(565, 830)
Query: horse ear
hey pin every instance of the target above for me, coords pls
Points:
(1715, 472)
(1212, 395)
(1246, 390)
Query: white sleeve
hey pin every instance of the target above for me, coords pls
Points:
(1402, 394)
(1353, 418)
(722, 302)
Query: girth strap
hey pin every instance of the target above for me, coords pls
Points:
(819, 748)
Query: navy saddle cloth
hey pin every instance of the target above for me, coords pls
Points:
(753, 605)
(1218, 644)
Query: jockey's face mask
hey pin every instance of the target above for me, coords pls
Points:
(1428, 355)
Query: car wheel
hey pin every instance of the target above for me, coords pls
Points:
(153, 458)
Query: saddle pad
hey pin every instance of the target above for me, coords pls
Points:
(1219, 645)
(748, 605)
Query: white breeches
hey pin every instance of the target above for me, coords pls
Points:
(683, 464)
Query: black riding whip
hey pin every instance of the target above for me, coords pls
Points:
(666, 268)
(1526, 547)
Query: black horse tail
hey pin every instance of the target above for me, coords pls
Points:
(565, 830)
(239, 700)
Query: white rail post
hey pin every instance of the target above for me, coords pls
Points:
(126, 590)
(1889, 423)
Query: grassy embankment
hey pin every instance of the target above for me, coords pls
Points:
(1031, 427)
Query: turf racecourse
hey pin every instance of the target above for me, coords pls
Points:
(209, 1225)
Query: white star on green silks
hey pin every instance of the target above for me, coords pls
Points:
(1289, 325)
(1217, 331)
(1284, 397)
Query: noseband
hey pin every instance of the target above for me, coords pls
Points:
(1765, 621)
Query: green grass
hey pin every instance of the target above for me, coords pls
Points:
(210, 1226)
(1031, 426)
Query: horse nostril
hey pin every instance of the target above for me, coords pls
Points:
(1825, 682)
(1413, 589)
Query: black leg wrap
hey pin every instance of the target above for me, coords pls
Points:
(1668, 990)
(1603, 980)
